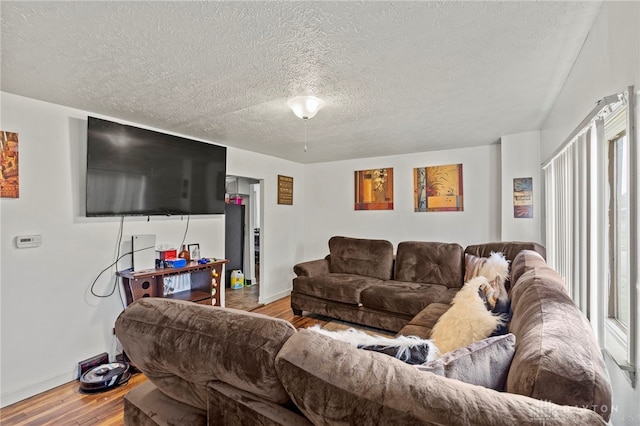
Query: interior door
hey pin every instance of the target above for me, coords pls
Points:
(234, 239)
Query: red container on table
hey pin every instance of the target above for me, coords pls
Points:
(167, 254)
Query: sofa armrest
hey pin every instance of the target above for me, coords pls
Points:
(312, 268)
(180, 346)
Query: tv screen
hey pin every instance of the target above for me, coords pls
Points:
(134, 171)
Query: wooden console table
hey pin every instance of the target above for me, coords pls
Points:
(206, 283)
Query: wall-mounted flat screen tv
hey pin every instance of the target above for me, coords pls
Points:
(133, 171)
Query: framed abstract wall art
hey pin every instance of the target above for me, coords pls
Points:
(438, 189)
(523, 198)
(374, 189)
(9, 177)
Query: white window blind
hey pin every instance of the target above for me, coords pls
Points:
(567, 206)
(579, 226)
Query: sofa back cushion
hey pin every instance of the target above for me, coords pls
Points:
(525, 261)
(333, 383)
(369, 258)
(509, 249)
(557, 357)
(430, 262)
(182, 346)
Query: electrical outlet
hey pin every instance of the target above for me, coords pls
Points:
(94, 361)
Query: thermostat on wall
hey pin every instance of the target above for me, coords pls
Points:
(28, 241)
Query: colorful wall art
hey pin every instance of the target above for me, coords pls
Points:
(374, 189)
(438, 188)
(523, 198)
(9, 177)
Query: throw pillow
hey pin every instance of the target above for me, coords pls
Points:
(410, 349)
(483, 363)
(496, 269)
(468, 319)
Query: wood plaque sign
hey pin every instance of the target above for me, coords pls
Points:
(285, 190)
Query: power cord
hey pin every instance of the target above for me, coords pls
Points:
(118, 257)
(184, 237)
(115, 262)
(107, 268)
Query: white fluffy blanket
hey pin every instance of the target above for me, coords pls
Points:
(410, 349)
(468, 319)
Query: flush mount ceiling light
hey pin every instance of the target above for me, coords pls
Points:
(305, 107)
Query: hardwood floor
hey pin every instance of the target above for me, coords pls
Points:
(66, 405)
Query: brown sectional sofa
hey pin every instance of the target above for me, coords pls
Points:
(213, 366)
(361, 281)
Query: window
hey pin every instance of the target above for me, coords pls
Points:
(618, 325)
(618, 306)
(591, 213)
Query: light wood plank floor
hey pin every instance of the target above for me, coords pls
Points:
(65, 405)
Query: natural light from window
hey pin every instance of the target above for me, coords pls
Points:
(591, 230)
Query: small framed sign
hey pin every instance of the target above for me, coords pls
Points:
(285, 190)
(194, 251)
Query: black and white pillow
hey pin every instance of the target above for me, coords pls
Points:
(410, 349)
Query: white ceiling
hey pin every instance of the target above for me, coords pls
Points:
(397, 77)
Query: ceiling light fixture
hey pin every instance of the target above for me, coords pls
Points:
(305, 107)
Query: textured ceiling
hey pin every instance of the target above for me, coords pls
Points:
(397, 77)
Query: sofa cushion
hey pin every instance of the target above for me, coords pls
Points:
(405, 298)
(147, 405)
(182, 346)
(421, 324)
(334, 383)
(430, 262)
(557, 357)
(496, 269)
(524, 261)
(229, 406)
(509, 249)
(369, 258)
(483, 363)
(345, 288)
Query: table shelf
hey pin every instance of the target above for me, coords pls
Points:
(207, 286)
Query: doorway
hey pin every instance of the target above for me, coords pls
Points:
(242, 242)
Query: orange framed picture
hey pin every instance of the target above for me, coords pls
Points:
(9, 176)
(438, 189)
(374, 189)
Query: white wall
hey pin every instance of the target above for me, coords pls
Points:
(329, 207)
(521, 158)
(608, 63)
(49, 319)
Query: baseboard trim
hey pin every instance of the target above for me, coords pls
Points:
(272, 298)
(17, 395)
